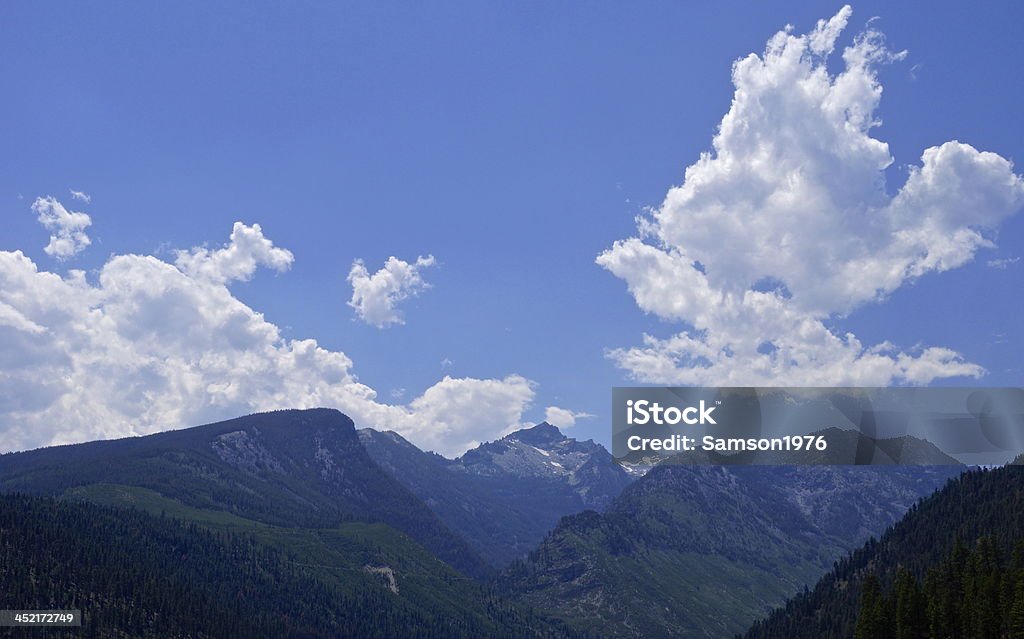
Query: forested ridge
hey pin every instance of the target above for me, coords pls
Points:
(954, 553)
(974, 594)
(702, 551)
(284, 468)
(135, 574)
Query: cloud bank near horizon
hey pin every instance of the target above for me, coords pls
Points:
(152, 345)
(787, 224)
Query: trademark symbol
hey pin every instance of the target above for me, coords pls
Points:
(718, 402)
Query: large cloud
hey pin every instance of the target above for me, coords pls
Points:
(787, 224)
(375, 297)
(151, 345)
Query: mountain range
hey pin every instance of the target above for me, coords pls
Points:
(533, 535)
(503, 497)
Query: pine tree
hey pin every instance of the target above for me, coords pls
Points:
(909, 607)
(1016, 621)
(871, 622)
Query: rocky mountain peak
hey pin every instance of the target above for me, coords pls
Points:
(541, 435)
(543, 452)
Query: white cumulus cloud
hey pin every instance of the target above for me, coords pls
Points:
(148, 345)
(67, 228)
(462, 412)
(563, 417)
(787, 224)
(238, 259)
(375, 297)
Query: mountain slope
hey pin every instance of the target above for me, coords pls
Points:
(701, 551)
(979, 505)
(137, 575)
(302, 468)
(504, 496)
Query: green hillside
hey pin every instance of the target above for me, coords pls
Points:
(700, 551)
(296, 468)
(137, 574)
(948, 552)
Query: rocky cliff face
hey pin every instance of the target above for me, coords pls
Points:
(544, 452)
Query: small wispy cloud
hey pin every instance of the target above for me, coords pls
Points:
(563, 417)
(1003, 263)
(81, 196)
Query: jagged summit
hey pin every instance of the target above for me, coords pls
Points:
(542, 434)
(543, 452)
(540, 451)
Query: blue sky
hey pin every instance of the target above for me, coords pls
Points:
(514, 142)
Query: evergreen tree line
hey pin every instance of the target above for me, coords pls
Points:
(978, 504)
(137, 575)
(973, 594)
